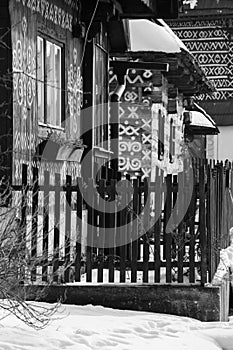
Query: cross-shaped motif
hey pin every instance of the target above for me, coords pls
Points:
(75, 92)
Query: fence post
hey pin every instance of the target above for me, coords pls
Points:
(135, 230)
(157, 226)
(146, 239)
(45, 227)
(67, 229)
(35, 190)
(112, 224)
(101, 238)
(90, 228)
(56, 242)
(167, 235)
(202, 221)
(79, 229)
(23, 224)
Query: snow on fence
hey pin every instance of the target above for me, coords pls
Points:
(127, 230)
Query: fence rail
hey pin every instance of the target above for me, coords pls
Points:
(128, 230)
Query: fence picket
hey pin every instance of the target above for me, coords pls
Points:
(157, 227)
(112, 224)
(135, 231)
(79, 227)
(35, 195)
(202, 221)
(167, 234)
(146, 218)
(45, 226)
(56, 243)
(90, 229)
(101, 237)
(180, 233)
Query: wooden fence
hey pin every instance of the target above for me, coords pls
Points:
(127, 230)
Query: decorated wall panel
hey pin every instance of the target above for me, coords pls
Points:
(211, 44)
(139, 130)
(135, 124)
(52, 19)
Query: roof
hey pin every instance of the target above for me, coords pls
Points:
(155, 41)
(221, 111)
(201, 122)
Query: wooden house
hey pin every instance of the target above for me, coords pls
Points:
(152, 124)
(206, 28)
(54, 63)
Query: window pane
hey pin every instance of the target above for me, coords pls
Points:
(50, 82)
(57, 90)
(40, 78)
(101, 112)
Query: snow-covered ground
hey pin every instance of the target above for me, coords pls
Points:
(96, 327)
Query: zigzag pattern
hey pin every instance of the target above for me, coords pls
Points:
(223, 83)
(193, 24)
(207, 45)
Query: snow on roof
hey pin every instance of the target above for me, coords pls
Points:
(149, 36)
(200, 119)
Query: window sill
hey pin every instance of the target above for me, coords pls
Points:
(102, 152)
(50, 126)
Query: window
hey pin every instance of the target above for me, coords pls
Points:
(161, 120)
(172, 141)
(100, 97)
(49, 87)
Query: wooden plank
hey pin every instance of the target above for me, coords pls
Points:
(167, 235)
(135, 231)
(129, 214)
(214, 209)
(67, 228)
(202, 221)
(56, 243)
(101, 237)
(146, 218)
(79, 228)
(157, 227)
(35, 192)
(180, 237)
(122, 230)
(139, 216)
(90, 228)
(193, 207)
(45, 227)
(208, 219)
(112, 223)
(23, 224)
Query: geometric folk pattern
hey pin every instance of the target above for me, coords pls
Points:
(75, 93)
(24, 85)
(24, 106)
(138, 129)
(135, 123)
(210, 44)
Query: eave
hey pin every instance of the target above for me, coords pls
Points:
(188, 78)
(150, 8)
(154, 41)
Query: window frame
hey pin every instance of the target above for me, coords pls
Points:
(161, 134)
(44, 121)
(100, 138)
